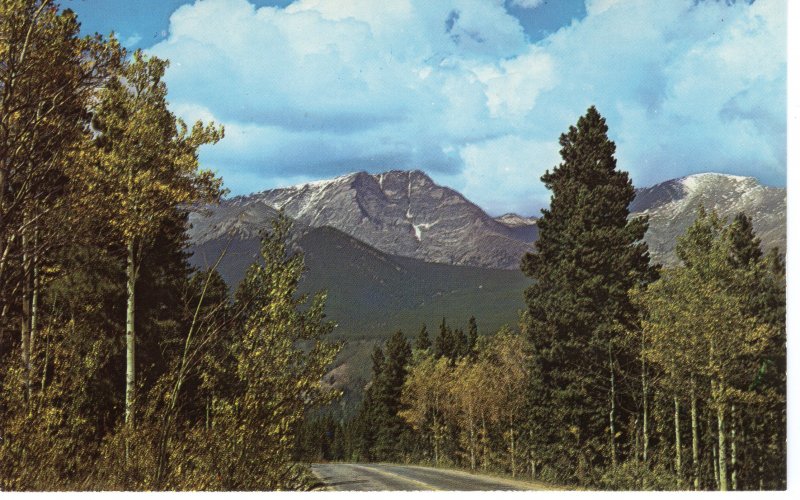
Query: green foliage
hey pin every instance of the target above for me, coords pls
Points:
(444, 344)
(256, 431)
(637, 382)
(704, 330)
(49, 442)
(423, 342)
(148, 158)
(380, 432)
(614, 380)
(637, 476)
(589, 255)
(472, 341)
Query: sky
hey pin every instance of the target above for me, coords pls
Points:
(474, 92)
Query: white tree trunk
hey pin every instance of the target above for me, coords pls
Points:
(734, 481)
(435, 440)
(532, 458)
(695, 439)
(513, 451)
(34, 297)
(25, 319)
(714, 457)
(130, 335)
(678, 462)
(484, 440)
(472, 443)
(645, 416)
(723, 447)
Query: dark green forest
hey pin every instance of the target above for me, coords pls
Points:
(122, 367)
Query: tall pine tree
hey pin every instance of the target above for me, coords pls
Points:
(423, 342)
(473, 335)
(589, 255)
(389, 385)
(444, 342)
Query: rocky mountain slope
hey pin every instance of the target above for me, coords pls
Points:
(406, 214)
(398, 212)
(672, 207)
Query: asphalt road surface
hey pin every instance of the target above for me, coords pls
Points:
(389, 477)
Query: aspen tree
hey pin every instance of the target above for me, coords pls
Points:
(48, 75)
(148, 166)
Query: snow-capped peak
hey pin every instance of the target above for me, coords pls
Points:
(698, 182)
(321, 184)
(515, 220)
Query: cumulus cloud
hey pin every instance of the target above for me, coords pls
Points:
(454, 87)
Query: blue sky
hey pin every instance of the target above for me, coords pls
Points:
(474, 92)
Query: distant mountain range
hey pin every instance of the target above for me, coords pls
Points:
(401, 213)
(406, 214)
(371, 292)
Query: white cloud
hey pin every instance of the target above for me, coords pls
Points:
(513, 85)
(503, 173)
(527, 4)
(131, 41)
(596, 7)
(323, 87)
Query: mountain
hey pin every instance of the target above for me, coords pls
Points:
(672, 207)
(523, 228)
(406, 214)
(514, 220)
(401, 213)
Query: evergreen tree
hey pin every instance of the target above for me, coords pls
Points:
(378, 361)
(589, 255)
(460, 344)
(423, 341)
(366, 422)
(760, 281)
(473, 335)
(389, 385)
(443, 345)
(745, 247)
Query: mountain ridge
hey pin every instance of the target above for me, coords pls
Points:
(405, 213)
(399, 212)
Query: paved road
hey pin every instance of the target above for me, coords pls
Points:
(388, 477)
